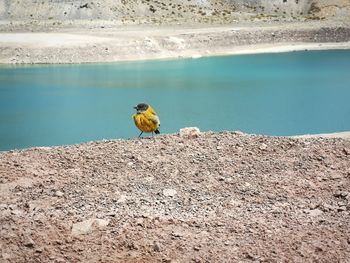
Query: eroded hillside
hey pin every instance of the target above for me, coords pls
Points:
(170, 11)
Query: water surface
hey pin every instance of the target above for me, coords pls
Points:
(272, 94)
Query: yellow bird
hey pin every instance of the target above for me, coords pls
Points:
(146, 119)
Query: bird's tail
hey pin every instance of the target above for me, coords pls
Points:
(156, 131)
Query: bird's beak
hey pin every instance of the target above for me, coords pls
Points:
(135, 107)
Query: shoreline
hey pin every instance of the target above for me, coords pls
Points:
(343, 135)
(288, 47)
(77, 46)
(237, 51)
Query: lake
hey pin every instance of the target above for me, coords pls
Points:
(272, 94)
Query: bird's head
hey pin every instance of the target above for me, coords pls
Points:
(141, 107)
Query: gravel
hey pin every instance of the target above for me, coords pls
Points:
(215, 197)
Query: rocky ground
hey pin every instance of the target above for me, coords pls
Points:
(218, 197)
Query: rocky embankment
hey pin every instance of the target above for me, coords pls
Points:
(73, 31)
(215, 197)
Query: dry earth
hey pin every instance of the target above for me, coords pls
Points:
(220, 197)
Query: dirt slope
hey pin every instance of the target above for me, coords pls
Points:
(56, 12)
(221, 197)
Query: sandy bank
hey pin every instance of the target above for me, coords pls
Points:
(142, 42)
(221, 197)
(343, 135)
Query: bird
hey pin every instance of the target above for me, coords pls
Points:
(146, 119)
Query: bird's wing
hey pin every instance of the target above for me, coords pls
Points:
(152, 111)
(155, 119)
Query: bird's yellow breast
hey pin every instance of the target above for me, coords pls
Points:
(147, 121)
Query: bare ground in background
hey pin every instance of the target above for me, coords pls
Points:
(81, 45)
(106, 31)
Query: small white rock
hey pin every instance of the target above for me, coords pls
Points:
(189, 132)
(122, 199)
(315, 212)
(239, 133)
(101, 223)
(139, 222)
(263, 146)
(87, 226)
(59, 193)
(169, 192)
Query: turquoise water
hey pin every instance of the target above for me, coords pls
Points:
(273, 94)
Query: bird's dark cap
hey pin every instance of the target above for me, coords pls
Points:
(141, 106)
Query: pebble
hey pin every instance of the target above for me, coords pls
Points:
(156, 246)
(177, 234)
(169, 192)
(341, 208)
(341, 194)
(58, 242)
(39, 250)
(342, 204)
(28, 242)
(16, 212)
(239, 133)
(263, 146)
(122, 199)
(313, 206)
(87, 226)
(139, 222)
(315, 212)
(112, 214)
(228, 180)
(189, 132)
(59, 193)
